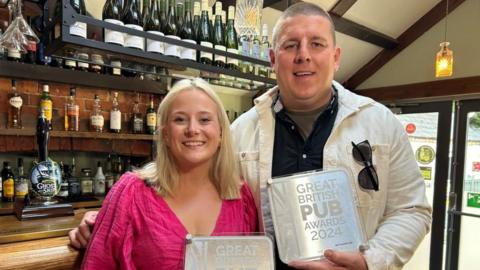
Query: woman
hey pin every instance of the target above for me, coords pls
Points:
(192, 187)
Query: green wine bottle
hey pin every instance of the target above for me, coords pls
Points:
(171, 31)
(112, 13)
(186, 33)
(133, 20)
(152, 25)
(204, 37)
(219, 37)
(79, 28)
(231, 39)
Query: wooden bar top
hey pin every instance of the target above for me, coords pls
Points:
(13, 230)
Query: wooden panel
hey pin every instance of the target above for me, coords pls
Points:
(404, 40)
(51, 253)
(442, 88)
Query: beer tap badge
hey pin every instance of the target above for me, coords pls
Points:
(46, 178)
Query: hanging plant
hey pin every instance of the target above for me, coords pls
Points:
(475, 120)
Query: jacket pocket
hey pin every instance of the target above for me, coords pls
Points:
(249, 168)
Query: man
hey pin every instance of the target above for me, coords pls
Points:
(310, 122)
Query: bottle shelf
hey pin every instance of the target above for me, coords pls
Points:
(79, 134)
(53, 74)
(64, 40)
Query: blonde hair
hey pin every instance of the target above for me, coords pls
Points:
(162, 173)
(299, 9)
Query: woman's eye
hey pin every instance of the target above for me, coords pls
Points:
(178, 119)
(205, 120)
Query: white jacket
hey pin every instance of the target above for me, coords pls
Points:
(396, 217)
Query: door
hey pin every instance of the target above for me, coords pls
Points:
(428, 128)
(464, 209)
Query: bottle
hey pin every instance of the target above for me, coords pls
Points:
(264, 52)
(152, 25)
(115, 67)
(69, 62)
(163, 15)
(14, 55)
(72, 112)
(196, 18)
(231, 39)
(79, 28)
(171, 31)
(96, 117)
(112, 13)
(31, 55)
(15, 109)
(254, 53)
(97, 65)
(187, 33)
(179, 15)
(21, 183)
(151, 116)
(137, 117)
(108, 174)
(204, 38)
(133, 20)
(86, 183)
(146, 6)
(46, 105)
(99, 181)
(64, 185)
(115, 115)
(82, 63)
(8, 183)
(219, 37)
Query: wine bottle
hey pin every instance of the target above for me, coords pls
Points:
(112, 13)
(187, 33)
(133, 20)
(115, 115)
(231, 39)
(204, 37)
(171, 31)
(151, 116)
(152, 25)
(255, 53)
(163, 15)
(79, 28)
(219, 37)
(179, 15)
(264, 52)
(196, 19)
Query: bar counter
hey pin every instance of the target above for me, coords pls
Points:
(40, 243)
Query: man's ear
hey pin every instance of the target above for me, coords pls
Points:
(271, 53)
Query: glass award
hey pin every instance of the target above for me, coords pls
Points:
(229, 252)
(315, 211)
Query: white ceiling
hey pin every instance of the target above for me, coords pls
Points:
(388, 17)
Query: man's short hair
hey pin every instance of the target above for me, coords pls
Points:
(298, 9)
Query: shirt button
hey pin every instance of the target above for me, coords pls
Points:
(304, 155)
(292, 127)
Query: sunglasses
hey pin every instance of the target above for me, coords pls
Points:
(367, 177)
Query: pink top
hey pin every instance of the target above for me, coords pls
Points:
(136, 229)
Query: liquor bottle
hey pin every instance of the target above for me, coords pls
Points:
(69, 62)
(137, 117)
(79, 28)
(64, 185)
(133, 20)
(112, 13)
(264, 71)
(187, 33)
(86, 183)
(231, 39)
(46, 105)
(179, 14)
(171, 31)
(152, 25)
(8, 183)
(15, 109)
(254, 53)
(99, 181)
(219, 37)
(31, 55)
(72, 112)
(151, 116)
(115, 115)
(196, 19)
(108, 174)
(204, 37)
(96, 117)
(21, 183)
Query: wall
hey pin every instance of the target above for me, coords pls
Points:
(416, 63)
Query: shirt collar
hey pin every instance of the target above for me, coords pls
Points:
(277, 105)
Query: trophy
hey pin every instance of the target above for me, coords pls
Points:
(46, 178)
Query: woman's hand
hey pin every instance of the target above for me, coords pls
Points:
(80, 236)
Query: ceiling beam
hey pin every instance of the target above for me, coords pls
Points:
(431, 18)
(440, 88)
(342, 6)
(346, 27)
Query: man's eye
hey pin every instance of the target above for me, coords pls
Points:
(317, 44)
(290, 46)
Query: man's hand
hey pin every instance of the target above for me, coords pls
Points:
(334, 260)
(80, 236)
